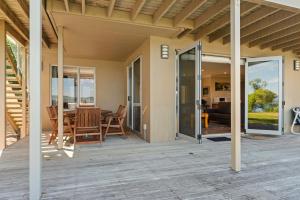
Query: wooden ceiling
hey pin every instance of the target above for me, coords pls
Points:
(263, 24)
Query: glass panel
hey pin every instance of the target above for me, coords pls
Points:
(263, 95)
(130, 96)
(70, 87)
(87, 87)
(54, 76)
(187, 72)
(136, 96)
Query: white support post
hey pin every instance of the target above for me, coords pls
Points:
(235, 86)
(35, 48)
(24, 93)
(2, 85)
(60, 91)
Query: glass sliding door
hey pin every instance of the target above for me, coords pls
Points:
(70, 86)
(264, 95)
(134, 95)
(188, 92)
(129, 96)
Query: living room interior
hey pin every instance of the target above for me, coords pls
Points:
(216, 97)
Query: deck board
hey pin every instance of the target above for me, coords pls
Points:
(131, 169)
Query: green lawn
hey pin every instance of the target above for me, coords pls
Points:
(263, 117)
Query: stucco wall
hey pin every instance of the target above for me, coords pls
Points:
(110, 81)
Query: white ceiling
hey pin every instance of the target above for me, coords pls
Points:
(95, 38)
(210, 69)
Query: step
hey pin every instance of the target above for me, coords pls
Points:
(11, 78)
(17, 119)
(16, 115)
(13, 85)
(14, 97)
(14, 91)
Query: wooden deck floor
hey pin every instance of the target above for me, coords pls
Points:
(131, 169)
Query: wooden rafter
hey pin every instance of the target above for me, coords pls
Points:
(25, 8)
(261, 24)
(253, 17)
(18, 25)
(15, 34)
(83, 5)
(286, 44)
(222, 21)
(284, 39)
(137, 8)
(292, 47)
(187, 11)
(274, 36)
(67, 6)
(211, 12)
(162, 10)
(291, 21)
(111, 7)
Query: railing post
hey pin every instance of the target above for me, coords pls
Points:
(2, 85)
(235, 86)
(24, 92)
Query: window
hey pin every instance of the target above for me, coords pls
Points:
(79, 86)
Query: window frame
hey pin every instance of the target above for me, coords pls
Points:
(78, 103)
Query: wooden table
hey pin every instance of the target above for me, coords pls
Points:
(205, 117)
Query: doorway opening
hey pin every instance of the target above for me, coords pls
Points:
(216, 96)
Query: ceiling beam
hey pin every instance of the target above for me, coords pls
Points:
(83, 7)
(286, 44)
(211, 12)
(67, 7)
(162, 10)
(292, 47)
(137, 8)
(188, 10)
(222, 21)
(118, 16)
(264, 41)
(286, 23)
(261, 24)
(253, 17)
(15, 34)
(17, 24)
(25, 8)
(111, 7)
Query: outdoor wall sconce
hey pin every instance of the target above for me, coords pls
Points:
(296, 65)
(164, 51)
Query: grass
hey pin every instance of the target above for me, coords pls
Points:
(263, 117)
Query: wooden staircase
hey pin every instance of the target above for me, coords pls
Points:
(13, 91)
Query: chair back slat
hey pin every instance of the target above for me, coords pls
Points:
(88, 117)
(52, 113)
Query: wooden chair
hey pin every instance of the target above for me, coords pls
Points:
(68, 123)
(53, 121)
(88, 123)
(114, 125)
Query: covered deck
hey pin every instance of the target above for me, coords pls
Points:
(178, 170)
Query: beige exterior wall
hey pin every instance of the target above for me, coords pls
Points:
(110, 82)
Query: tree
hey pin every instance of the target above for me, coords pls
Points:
(258, 84)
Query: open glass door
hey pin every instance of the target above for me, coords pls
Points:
(264, 96)
(129, 96)
(188, 95)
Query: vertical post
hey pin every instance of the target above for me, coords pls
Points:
(24, 92)
(2, 85)
(235, 86)
(35, 48)
(60, 91)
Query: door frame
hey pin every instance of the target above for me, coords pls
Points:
(281, 97)
(131, 65)
(198, 122)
